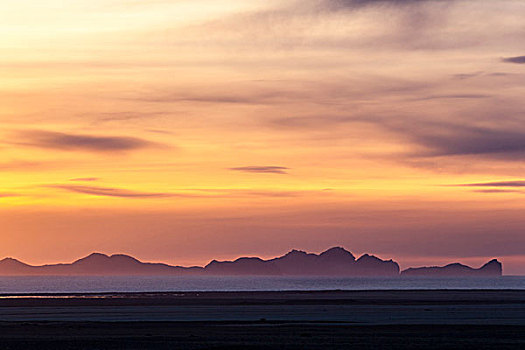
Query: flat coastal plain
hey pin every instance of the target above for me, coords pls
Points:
(432, 319)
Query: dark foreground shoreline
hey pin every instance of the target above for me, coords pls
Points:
(438, 319)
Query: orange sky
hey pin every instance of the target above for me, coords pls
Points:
(181, 131)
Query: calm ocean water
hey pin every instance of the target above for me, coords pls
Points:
(100, 284)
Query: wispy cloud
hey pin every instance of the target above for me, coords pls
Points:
(313, 122)
(125, 116)
(495, 190)
(514, 183)
(454, 96)
(23, 165)
(237, 93)
(8, 195)
(85, 179)
(80, 142)
(262, 169)
(110, 192)
(184, 193)
(517, 59)
(464, 76)
(414, 24)
(431, 136)
(158, 131)
(355, 4)
(443, 139)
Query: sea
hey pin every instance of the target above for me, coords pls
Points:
(146, 284)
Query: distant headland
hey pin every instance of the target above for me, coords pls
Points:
(335, 261)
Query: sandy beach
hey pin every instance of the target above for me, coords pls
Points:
(289, 320)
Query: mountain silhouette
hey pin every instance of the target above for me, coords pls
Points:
(10, 266)
(492, 268)
(335, 261)
(94, 264)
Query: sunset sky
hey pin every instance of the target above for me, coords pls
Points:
(186, 130)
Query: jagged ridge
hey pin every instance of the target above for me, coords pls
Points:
(492, 268)
(335, 261)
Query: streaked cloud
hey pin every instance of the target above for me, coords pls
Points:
(497, 191)
(8, 195)
(125, 116)
(517, 59)
(431, 137)
(85, 179)
(24, 165)
(355, 4)
(184, 193)
(254, 93)
(262, 169)
(515, 183)
(110, 192)
(463, 76)
(80, 142)
(454, 96)
(458, 140)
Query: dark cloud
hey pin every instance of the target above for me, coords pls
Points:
(451, 139)
(464, 76)
(412, 24)
(84, 179)
(435, 138)
(262, 169)
(352, 4)
(454, 96)
(467, 140)
(500, 74)
(81, 142)
(158, 131)
(110, 192)
(517, 59)
(515, 183)
(497, 191)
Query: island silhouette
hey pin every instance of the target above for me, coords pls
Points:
(335, 261)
